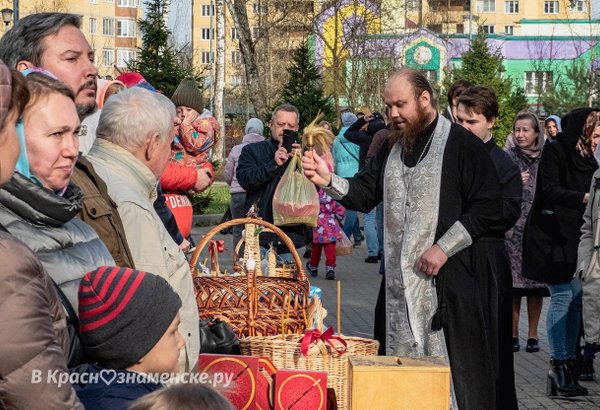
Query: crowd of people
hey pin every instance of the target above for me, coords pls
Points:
(92, 240)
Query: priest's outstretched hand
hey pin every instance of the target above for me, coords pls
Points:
(432, 261)
(315, 169)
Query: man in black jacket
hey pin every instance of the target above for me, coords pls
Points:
(260, 168)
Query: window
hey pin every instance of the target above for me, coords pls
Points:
(128, 3)
(236, 80)
(108, 57)
(460, 28)
(511, 7)
(124, 56)
(207, 57)
(208, 34)
(93, 25)
(412, 5)
(489, 29)
(255, 32)
(436, 28)
(259, 8)
(486, 6)
(108, 26)
(537, 81)
(509, 30)
(551, 7)
(578, 5)
(208, 10)
(126, 28)
(236, 57)
(94, 1)
(234, 34)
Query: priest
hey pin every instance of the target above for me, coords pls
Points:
(440, 196)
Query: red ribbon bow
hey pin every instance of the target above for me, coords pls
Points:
(216, 245)
(313, 335)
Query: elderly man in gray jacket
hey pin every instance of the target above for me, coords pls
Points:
(131, 152)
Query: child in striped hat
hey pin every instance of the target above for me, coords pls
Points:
(129, 326)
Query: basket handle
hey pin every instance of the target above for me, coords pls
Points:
(286, 240)
(238, 246)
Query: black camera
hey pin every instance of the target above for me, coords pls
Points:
(289, 138)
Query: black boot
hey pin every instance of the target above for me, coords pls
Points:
(587, 373)
(560, 380)
(574, 369)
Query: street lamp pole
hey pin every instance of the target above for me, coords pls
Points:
(15, 11)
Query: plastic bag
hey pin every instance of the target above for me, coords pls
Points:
(296, 201)
(343, 246)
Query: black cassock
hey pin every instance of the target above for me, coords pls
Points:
(470, 193)
(494, 251)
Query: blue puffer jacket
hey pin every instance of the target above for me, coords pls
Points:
(345, 155)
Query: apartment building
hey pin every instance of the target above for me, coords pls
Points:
(466, 16)
(109, 25)
(539, 40)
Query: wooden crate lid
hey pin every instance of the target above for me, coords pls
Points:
(393, 363)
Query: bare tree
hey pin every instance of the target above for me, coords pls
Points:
(237, 8)
(354, 66)
(219, 83)
(278, 26)
(45, 6)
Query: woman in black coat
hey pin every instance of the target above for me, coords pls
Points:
(566, 170)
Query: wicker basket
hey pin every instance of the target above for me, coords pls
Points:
(284, 352)
(278, 304)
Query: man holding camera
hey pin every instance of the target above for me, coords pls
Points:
(260, 168)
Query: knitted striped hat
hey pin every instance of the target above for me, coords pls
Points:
(123, 313)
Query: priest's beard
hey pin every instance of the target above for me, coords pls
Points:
(409, 136)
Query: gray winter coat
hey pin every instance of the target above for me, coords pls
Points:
(585, 253)
(66, 246)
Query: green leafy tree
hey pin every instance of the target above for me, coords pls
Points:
(578, 87)
(157, 60)
(304, 88)
(481, 66)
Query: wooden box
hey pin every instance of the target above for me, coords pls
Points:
(381, 382)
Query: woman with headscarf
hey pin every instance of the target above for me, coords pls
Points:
(566, 170)
(34, 334)
(552, 127)
(527, 142)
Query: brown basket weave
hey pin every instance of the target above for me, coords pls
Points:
(284, 352)
(254, 305)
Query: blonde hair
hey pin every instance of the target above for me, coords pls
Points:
(321, 136)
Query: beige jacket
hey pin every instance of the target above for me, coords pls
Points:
(33, 334)
(132, 186)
